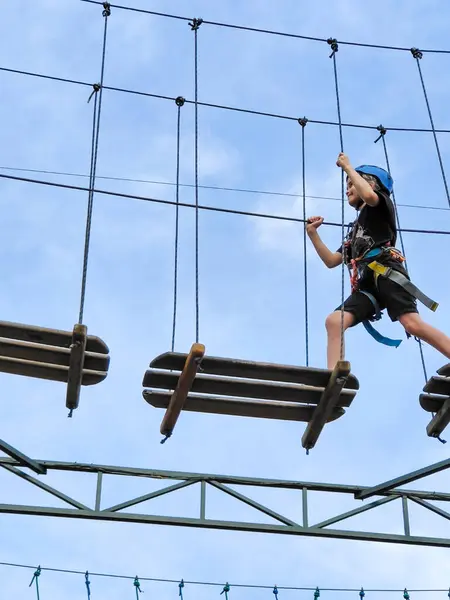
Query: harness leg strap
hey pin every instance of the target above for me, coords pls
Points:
(408, 285)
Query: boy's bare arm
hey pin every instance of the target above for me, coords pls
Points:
(329, 258)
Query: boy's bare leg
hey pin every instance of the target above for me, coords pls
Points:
(333, 325)
(416, 327)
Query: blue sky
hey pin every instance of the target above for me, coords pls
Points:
(250, 277)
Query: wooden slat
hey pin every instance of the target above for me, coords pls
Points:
(27, 368)
(182, 386)
(445, 370)
(438, 385)
(431, 403)
(252, 370)
(326, 405)
(440, 421)
(75, 375)
(223, 386)
(50, 354)
(51, 337)
(240, 408)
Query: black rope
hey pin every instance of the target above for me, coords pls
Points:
(417, 54)
(266, 31)
(220, 106)
(230, 211)
(335, 48)
(383, 131)
(179, 102)
(303, 122)
(194, 26)
(208, 187)
(98, 89)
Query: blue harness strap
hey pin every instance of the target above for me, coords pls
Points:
(371, 329)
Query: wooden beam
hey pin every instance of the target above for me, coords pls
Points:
(225, 386)
(264, 409)
(182, 389)
(230, 367)
(76, 363)
(440, 420)
(328, 402)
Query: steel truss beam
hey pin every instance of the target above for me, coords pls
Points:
(203, 482)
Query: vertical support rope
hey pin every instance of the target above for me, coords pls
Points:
(179, 102)
(334, 47)
(303, 122)
(417, 54)
(98, 88)
(194, 26)
(383, 131)
(88, 585)
(36, 580)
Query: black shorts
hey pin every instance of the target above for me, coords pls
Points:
(389, 295)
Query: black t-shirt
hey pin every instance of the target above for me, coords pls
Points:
(374, 227)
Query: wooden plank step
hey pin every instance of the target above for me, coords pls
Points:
(440, 421)
(239, 408)
(438, 385)
(28, 368)
(50, 354)
(431, 403)
(51, 337)
(228, 367)
(444, 371)
(223, 386)
(326, 405)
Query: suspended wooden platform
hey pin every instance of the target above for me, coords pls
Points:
(72, 357)
(199, 383)
(437, 400)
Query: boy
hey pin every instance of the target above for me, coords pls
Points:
(374, 231)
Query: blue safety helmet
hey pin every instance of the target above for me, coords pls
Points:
(383, 176)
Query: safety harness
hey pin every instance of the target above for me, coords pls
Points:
(357, 267)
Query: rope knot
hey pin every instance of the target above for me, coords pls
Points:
(226, 589)
(96, 88)
(382, 131)
(137, 585)
(180, 588)
(195, 24)
(317, 593)
(107, 9)
(362, 593)
(180, 101)
(88, 583)
(405, 594)
(416, 53)
(302, 121)
(334, 46)
(275, 592)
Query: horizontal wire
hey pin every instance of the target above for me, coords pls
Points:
(221, 106)
(202, 207)
(212, 583)
(207, 187)
(266, 31)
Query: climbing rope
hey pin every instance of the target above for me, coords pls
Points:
(382, 135)
(303, 122)
(36, 580)
(335, 48)
(417, 54)
(137, 587)
(98, 89)
(194, 27)
(179, 102)
(88, 585)
(226, 589)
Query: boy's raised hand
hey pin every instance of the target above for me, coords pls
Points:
(313, 223)
(343, 161)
